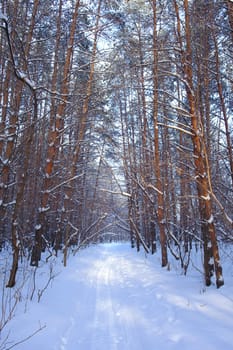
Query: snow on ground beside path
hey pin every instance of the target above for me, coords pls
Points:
(112, 298)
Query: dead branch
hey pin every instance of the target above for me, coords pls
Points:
(3, 346)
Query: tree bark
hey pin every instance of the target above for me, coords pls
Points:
(157, 162)
(54, 140)
(223, 106)
(201, 169)
(230, 15)
(15, 236)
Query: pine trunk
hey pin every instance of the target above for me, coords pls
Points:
(157, 162)
(211, 253)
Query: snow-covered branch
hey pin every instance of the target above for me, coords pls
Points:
(177, 128)
(19, 74)
(122, 193)
(63, 183)
(154, 188)
(85, 232)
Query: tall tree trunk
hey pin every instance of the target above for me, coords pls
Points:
(223, 107)
(16, 239)
(201, 169)
(11, 88)
(230, 15)
(157, 161)
(88, 92)
(10, 146)
(54, 138)
(77, 156)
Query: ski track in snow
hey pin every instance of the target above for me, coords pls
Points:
(131, 306)
(117, 311)
(116, 299)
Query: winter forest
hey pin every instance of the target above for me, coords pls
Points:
(116, 124)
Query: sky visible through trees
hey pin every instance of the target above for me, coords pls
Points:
(116, 124)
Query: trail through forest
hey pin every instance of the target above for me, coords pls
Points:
(112, 298)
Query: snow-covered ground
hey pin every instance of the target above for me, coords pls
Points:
(112, 298)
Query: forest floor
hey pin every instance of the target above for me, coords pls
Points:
(110, 297)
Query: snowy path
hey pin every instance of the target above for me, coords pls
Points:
(112, 298)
